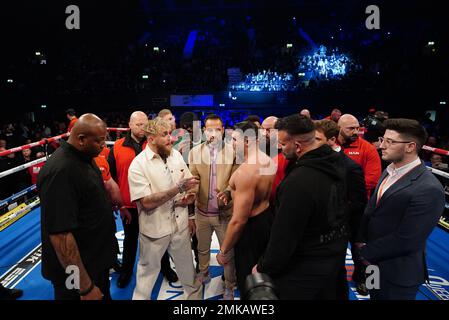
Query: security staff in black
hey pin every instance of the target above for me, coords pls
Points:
(308, 237)
(77, 224)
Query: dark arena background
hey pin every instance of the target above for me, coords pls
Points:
(228, 57)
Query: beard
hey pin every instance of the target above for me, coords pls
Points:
(164, 151)
(290, 156)
(350, 139)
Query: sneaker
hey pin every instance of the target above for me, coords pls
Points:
(203, 278)
(10, 294)
(362, 289)
(228, 294)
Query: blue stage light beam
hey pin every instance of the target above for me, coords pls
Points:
(190, 44)
(306, 37)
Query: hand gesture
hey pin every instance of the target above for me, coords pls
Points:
(223, 259)
(188, 183)
(192, 227)
(186, 200)
(224, 197)
(125, 215)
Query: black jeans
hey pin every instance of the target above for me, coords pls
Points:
(101, 281)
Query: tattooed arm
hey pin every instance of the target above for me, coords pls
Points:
(68, 254)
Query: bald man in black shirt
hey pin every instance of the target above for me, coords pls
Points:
(78, 228)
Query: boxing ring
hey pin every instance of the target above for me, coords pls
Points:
(20, 248)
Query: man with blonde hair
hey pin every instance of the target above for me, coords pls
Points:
(167, 115)
(162, 187)
(122, 154)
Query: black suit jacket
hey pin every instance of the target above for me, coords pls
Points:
(396, 229)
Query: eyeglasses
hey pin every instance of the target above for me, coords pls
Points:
(388, 142)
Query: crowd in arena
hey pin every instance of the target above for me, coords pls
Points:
(16, 134)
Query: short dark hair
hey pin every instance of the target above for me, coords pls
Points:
(245, 125)
(70, 112)
(212, 116)
(409, 129)
(186, 120)
(253, 118)
(328, 127)
(295, 124)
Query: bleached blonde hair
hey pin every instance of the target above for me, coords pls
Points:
(154, 126)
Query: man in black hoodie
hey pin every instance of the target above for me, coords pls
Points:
(326, 132)
(309, 236)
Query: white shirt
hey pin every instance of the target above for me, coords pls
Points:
(149, 174)
(395, 174)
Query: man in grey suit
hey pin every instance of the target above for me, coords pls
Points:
(401, 214)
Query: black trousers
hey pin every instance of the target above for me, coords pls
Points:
(313, 280)
(130, 245)
(250, 247)
(131, 240)
(390, 291)
(101, 281)
(342, 286)
(195, 247)
(358, 275)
